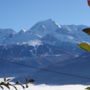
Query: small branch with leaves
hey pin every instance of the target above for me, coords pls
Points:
(7, 83)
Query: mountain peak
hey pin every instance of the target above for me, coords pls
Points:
(49, 20)
(48, 25)
(22, 31)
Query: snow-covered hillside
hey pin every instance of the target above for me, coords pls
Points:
(48, 53)
(46, 87)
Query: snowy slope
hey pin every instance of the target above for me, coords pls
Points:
(44, 69)
(50, 70)
(46, 87)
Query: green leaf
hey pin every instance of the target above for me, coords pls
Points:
(88, 88)
(85, 46)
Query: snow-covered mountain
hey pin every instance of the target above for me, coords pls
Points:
(45, 38)
(6, 34)
(45, 46)
(47, 31)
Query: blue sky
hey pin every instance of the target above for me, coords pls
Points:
(22, 14)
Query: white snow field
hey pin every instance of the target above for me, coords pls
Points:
(47, 87)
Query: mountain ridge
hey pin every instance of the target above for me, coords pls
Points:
(43, 29)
